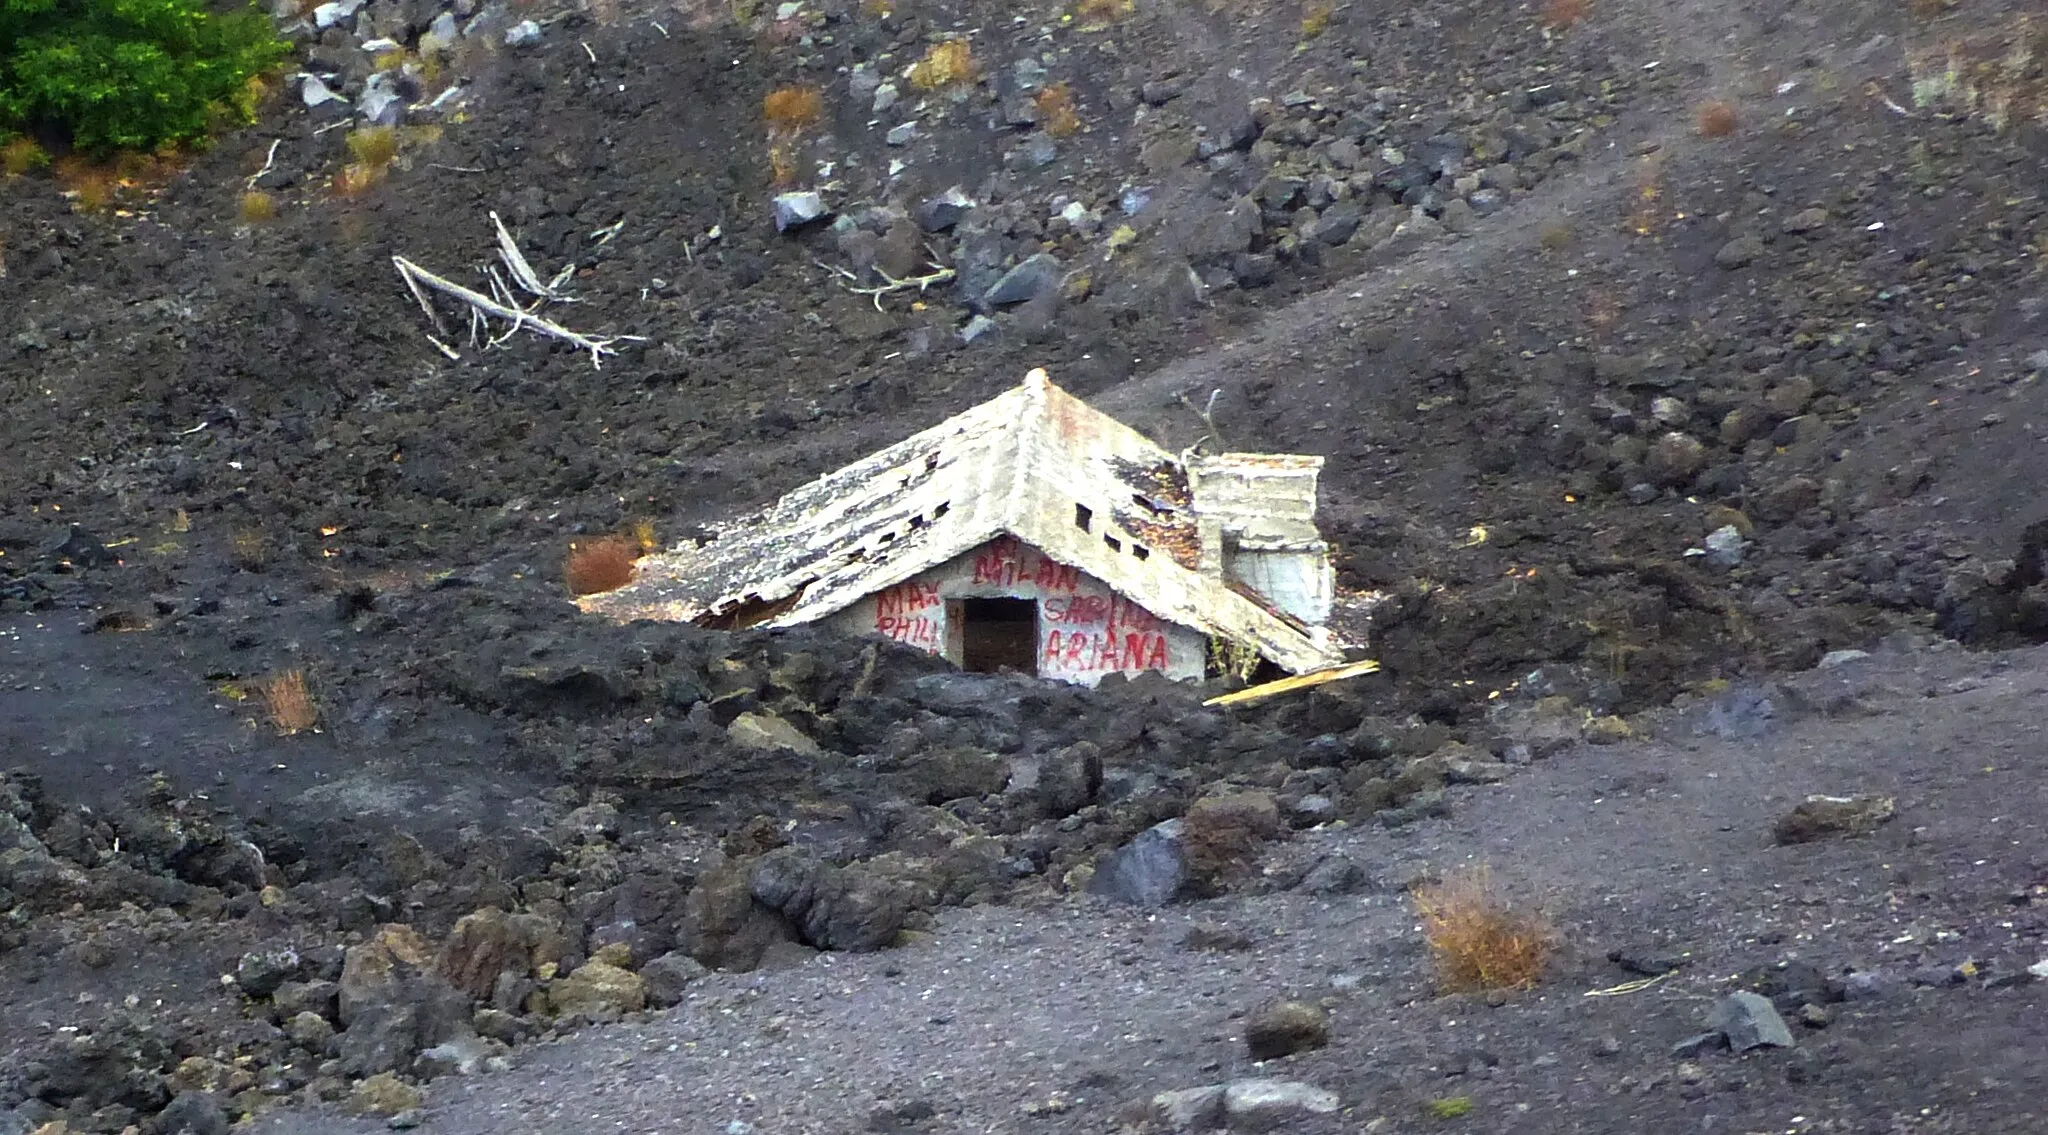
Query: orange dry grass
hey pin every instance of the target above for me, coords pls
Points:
(948, 64)
(793, 109)
(1099, 13)
(1477, 939)
(1056, 110)
(1717, 119)
(1561, 14)
(289, 702)
(21, 156)
(603, 564)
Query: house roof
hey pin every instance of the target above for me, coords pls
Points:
(1018, 464)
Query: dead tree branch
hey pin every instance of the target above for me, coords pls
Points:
(523, 273)
(890, 284)
(483, 307)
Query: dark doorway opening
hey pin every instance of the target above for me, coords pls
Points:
(995, 633)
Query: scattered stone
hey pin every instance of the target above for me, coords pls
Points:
(1286, 1028)
(313, 92)
(191, 1113)
(668, 976)
(522, 33)
(463, 1056)
(1487, 202)
(1273, 1105)
(1835, 658)
(1738, 253)
(1938, 976)
(1814, 1016)
(1675, 459)
(1212, 936)
(384, 1094)
(1725, 546)
(849, 908)
(261, 973)
(902, 134)
(902, 1118)
(797, 208)
(1806, 220)
(1033, 277)
(1749, 1020)
(1149, 871)
(381, 103)
(1869, 985)
(1338, 223)
(1608, 730)
(328, 15)
(764, 731)
(1823, 817)
(598, 991)
(1648, 960)
(392, 1003)
(1698, 1044)
(1428, 804)
(977, 326)
(1333, 875)
(310, 1031)
(1190, 1109)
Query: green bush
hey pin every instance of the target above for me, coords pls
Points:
(129, 74)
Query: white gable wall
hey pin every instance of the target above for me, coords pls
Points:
(1085, 629)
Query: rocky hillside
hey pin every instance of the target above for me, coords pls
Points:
(1654, 348)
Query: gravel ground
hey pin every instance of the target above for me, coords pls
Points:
(1068, 1019)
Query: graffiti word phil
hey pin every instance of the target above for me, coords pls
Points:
(1007, 563)
(899, 614)
(1088, 651)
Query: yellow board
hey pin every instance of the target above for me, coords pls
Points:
(1266, 690)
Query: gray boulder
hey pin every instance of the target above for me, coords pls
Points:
(831, 907)
(1149, 871)
(1749, 1020)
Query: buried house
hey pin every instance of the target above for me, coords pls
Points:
(1032, 533)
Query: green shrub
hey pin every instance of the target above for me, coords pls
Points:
(129, 74)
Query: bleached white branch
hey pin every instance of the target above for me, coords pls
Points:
(523, 273)
(482, 307)
(269, 161)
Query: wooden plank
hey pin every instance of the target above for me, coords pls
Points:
(1266, 690)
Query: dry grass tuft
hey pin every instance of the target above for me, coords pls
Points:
(1056, 111)
(1561, 14)
(249, 549)
(946, 65)
(1717, 119)
(289, 702)
(374, 147)
(793, 110)
(783, 166)
(603, 564)
(258, 207)
(1316, 20)
(22, 156)
(1102, 13)
(1478, 940)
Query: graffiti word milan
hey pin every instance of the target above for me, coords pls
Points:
(1007, 563)
(897, 614)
